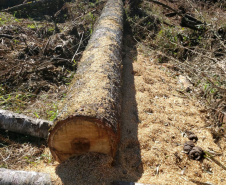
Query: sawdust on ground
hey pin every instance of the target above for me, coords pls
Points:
(155, 119)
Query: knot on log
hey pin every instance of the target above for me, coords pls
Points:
(196, 153)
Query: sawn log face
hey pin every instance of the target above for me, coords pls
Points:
(89, 117)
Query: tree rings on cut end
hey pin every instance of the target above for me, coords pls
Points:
(79, 135)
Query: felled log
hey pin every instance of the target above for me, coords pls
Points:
(13, 177)
(22, 124)
(88, 120)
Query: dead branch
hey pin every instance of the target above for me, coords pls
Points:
(27, 5)
(15, 177)
(212, 83)
(187, 20)
(6, 36)
(209, 156)
(22, 6)
(76, 52)
(22, 124)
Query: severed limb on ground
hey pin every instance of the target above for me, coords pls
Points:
(13, 177)
(23, 124)
(186, 20)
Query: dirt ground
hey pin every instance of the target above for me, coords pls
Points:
(155, 119)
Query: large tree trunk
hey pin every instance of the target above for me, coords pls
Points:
(25, 125)
(88, 120)
(13, 177)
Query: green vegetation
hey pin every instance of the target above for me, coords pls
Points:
(196, 51)
(52, 113)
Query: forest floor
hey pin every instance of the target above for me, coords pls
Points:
(157, 114)
(158, 111)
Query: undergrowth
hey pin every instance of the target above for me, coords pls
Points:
(197, 52)
(38, 60)
(43, 51)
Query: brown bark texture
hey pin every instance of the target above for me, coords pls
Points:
(88, 120)
(22, 124)
(13, 177)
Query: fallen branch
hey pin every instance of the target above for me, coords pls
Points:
(76, 52)
(6, 36)
(209, 156)
(23, 6)
(9, 3)
(14, 177)
(28, 5)
(222, 90)
(166, 6)
(25, 125)
(187, 20)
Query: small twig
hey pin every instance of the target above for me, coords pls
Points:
(74, 21)
(80, 42)
(213, 59)
(209, 156)
(166, 6)
(24, 40)
(6, 36)
(58, 12)
(222, 43)
(195, 9)
(186, 16)
(47, 43)
(28, 5)
(218, 88)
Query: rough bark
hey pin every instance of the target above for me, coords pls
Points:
(13, 177)
(25, 125)
(89, 118)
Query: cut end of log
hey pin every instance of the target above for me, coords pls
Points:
(79, 135)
